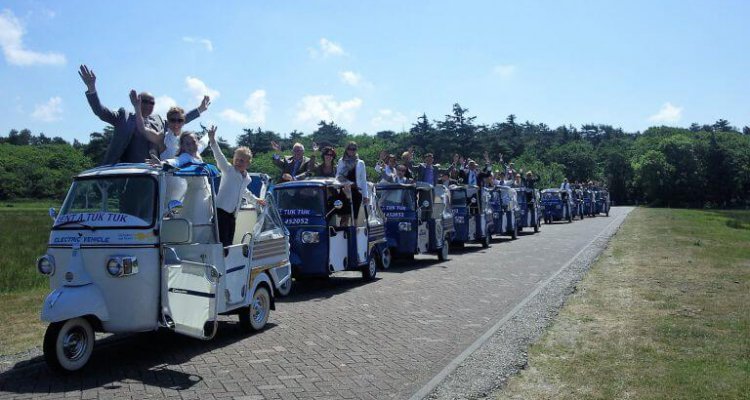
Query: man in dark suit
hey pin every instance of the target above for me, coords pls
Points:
(429, 172)
(473, 176)
(296, 165)
(129, 146)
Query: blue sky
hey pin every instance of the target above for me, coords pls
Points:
(377, 65)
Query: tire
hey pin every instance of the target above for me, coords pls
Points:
(536, 225)
(371, 269)
(68, 345)
(570, 216)
(443, 253)
(286, 288)
(514, 233)
(253, 318)
(385, 258)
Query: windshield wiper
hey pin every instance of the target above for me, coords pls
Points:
(75, 222)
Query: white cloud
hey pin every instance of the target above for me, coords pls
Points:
(389, 119)
(257, 107)
(205, 42)
(504, 70)
(235, 116)
(668, 113)
(50, 111)
(326, 48)
(351, 78)
(315, 108)
(163, 104)
(198, 89)
(11, 40)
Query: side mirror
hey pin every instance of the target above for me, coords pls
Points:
(425, 204)
(338, 204)
(176, 231)
(52, 213)
(174, 207)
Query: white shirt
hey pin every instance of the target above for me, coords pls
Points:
(361, 176)
(233, 186)
(172, 144)
(387, 172)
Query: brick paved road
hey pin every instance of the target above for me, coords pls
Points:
(340, 338)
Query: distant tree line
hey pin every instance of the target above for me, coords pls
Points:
(705, 165)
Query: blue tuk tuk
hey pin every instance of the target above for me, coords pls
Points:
(325, 233)
(602, 202)
(418, 218)
(529, 208)
(558, 204)
(505, 211)
(472, 216)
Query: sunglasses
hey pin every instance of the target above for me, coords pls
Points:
(176, 120)
(146, 101)
(328, 155)
(352, 148)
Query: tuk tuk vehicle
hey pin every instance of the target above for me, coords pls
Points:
(529, 209)
(324, 236)
(602, 202)
(418, 218)
(472, 215)
(505, 211)
(558, 205)
(136, 248)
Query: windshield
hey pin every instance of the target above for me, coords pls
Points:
(122, 202)
(396, 200)
(300, 201)
(458, 198)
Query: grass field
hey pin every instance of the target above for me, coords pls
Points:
(664, 313)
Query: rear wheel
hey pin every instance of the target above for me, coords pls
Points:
(384, 260)
(486, 240)
(255, 316)
(514, 233)
(371, 269)
(68, 344)
(537, 222)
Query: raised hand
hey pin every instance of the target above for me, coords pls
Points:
(275, 146)
(88, 77)
(204, 104)
(135, 99)
(315, 146)
(212, 133)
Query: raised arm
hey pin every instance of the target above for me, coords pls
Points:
(221, 160)
(196, 112)
(89, 79)
(153, 136)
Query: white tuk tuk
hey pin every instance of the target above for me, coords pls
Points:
(136, 248)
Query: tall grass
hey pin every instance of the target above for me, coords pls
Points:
(23, 238)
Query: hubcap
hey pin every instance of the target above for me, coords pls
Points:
(74, 343)
(259, 309)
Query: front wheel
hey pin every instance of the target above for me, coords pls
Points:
(68, 344)
(443, 253)
(255, 316)
(514, 233)
(384, 260)
(371, 269)
(286, 288)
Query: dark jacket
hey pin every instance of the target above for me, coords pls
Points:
(419, 172)
(286, 165)
(127, 145)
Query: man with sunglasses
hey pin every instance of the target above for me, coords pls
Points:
(296, 165)
(128, 145)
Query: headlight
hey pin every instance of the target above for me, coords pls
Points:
(310, 237)
(122, 266)
(45, 265)
(404, 226)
